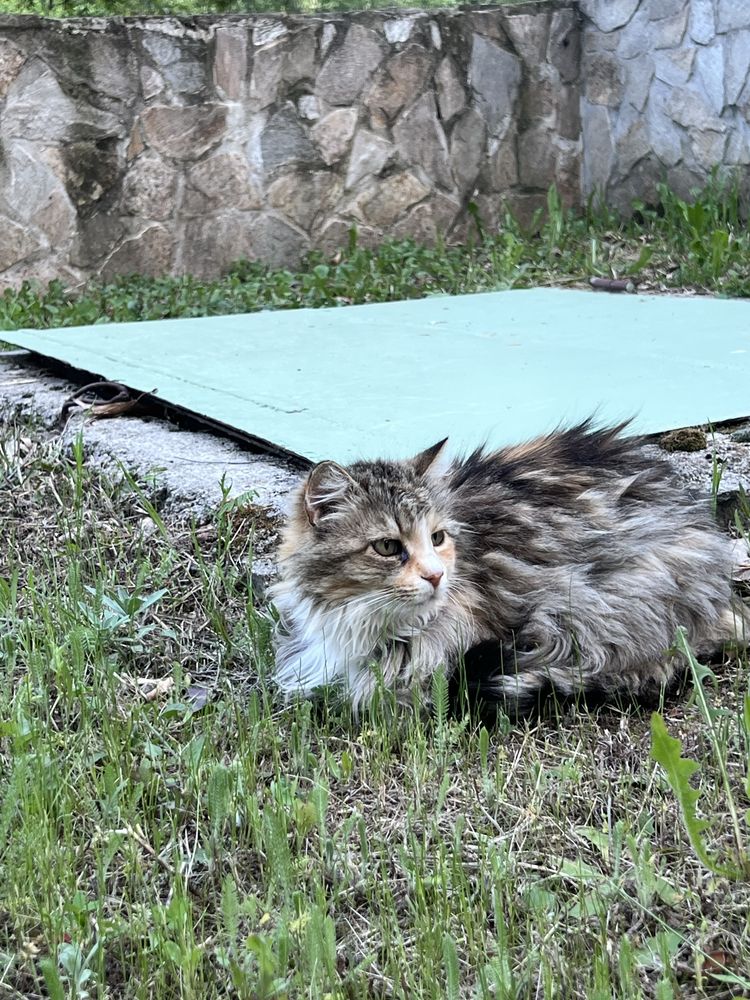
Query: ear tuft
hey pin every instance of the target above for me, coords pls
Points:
(326, 484)
(426, 459)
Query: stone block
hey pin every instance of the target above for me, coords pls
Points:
(183, 133)
(11, 61)
(731, 15)
(17, 244)
(180, 60)
(569, 113)
(152, 83)
(631, 147)
(536, 157)
(91, 171)
(702, 26)
(268, 68)
(659, 9)
(49, 265)
(675, 67)
(37, 108)
(645, 36)
(669, 32)
(529, 34)
(428, 221)
(737, 64)
(688, 107)
(348, 68)
(564, 47)
(300, 58)
(97, 237)
(210, 245)
(34, 190)
(148, 252)
(267, 30)
(568, 174)
(333, 134)
(421, 142)
(327, 37)
(383, 202)
(306, 197)
(709, 64)
(738, 146)
(664, 135)
(495, 78)
(435, 36)
(398, 81)
(467, 149)
(501, 170)
(540, 96)
(593, 40)
(222, 181)
(149, 188)
(488, 22)
(99, 65)
(370, 154)
(418, 225)
(308, 107)
(490, 209)
(603, 76)
(609, 15)
(707, 147)
(285, 140)
(451, 96)
(527, 208)
(642, 184)
(230, 62)
(135, 144)
(334, 236)
(598, 147)
(640, 73)
(398, 30)
(684, 181)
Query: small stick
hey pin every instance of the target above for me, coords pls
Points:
(612, 284)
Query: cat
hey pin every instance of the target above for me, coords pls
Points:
(568, 562)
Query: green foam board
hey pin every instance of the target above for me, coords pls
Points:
(392, 378)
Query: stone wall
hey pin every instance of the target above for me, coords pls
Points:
(666, 95)
(176, 145)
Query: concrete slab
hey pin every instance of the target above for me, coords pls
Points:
(392, 378)
(189, 472)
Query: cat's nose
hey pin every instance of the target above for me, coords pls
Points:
(433, 578)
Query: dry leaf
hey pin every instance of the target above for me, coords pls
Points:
(151, 688)
(197, 696)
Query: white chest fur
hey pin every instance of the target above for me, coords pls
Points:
(351, 644)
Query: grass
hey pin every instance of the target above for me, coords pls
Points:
(168, 830)
(702, 246)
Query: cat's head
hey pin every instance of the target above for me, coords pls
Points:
(379, 533)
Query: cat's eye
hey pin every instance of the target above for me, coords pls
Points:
(438, 537)
(388, 547)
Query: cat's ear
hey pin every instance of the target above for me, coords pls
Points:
(326, 484)
(427, 460)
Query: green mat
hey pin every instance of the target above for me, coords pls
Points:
(391, 378)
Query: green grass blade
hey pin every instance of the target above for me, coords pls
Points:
(667, 751)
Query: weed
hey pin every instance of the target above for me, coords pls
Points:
(153, 848)
(701, 245)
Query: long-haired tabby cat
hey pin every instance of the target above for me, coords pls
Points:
(572, 558)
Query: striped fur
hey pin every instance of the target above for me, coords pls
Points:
(567, 562)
